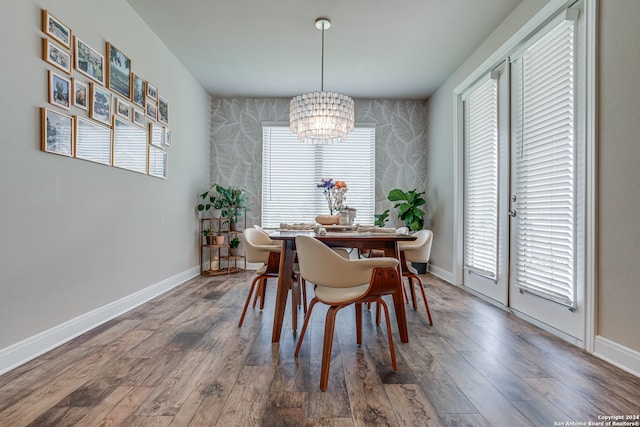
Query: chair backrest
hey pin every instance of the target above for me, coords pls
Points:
(418, 250)
(258, 245)
(320, 265)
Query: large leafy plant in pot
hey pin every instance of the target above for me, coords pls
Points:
(408, 205)
(234, 203)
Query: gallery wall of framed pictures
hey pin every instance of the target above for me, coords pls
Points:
(98, 108)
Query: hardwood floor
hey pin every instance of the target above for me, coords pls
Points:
(181, 360)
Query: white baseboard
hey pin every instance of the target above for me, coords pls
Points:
(17, 354)
(445, 275)
(618, 355)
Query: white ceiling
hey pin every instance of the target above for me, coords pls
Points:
(400, 49)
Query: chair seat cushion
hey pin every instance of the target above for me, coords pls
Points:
(339, 295)
(262, 270)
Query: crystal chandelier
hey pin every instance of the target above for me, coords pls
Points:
(321, 117)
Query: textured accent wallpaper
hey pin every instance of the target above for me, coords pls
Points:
(236, 144)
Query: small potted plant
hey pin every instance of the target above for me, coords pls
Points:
(219, 239)
(208, 236)
(233, 246)
(381, 218)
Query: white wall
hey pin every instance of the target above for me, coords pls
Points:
(619, 175)
(618, 63)
(75, 235)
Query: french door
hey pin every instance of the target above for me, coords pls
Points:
(524, 181)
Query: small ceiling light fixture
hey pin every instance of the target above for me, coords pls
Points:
(321, 117)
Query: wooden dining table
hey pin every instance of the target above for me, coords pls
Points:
(387, 242)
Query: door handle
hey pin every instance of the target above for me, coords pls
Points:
(513, 213)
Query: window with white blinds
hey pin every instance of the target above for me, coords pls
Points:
(544, 162)
(291, 171)
(481, 179)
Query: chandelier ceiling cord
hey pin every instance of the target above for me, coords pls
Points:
(321, 117)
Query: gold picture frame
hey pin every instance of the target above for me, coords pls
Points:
(56, 132)
(56, 29)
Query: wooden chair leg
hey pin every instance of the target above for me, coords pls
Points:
(404, 292)
(304, 326)
(329, 328)
(424, 298)
(303, 285)
(257, 295)
(358, 307)
(413, 293)
(378, 314)
(263, 292)
(391, 347)
(294, 308)
(246, 303)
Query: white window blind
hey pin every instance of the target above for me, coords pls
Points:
(291, 171)
(544, 156)
(481, 179)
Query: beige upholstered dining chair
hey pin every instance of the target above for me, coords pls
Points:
(259, 248)
(341, 282)
(418, 250)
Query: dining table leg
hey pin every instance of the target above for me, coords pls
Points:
(285, 273)
(398, 297)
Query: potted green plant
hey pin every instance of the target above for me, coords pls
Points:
(234, 204)
(381, 218)
(208, 236)
(409, 211)
(408, 206)
(233, 246)
(211, 200)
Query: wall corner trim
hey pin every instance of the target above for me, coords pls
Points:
(21, 352)
(618, 355)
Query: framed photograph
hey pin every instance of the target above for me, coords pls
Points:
(123, 109)
(163, 110)
(59, 90)
(57, 132)
(152, 91)
(157, 162)
(152, 110)
(80, 94)
(138, 88)
(53, 27)
(118, 72)
(93, 141)
(88, 61)
(156, 135)
(138, 116)
(167, 137)
(100, 107)
(55, 56)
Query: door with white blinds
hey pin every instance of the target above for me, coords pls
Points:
(291, 171)
(524, 183)
(547, 193)
(485, 175)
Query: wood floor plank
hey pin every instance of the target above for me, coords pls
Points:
(370, 405)
(442, 391)
(125, 407)
(411, 405)
(489, 401)
(464, 420)
(205, 404)
(247, 400)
